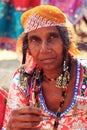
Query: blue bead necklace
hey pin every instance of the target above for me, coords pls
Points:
(58, 113)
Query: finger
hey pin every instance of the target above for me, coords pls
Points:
(27, 118)
(24, 125)
(27, 110)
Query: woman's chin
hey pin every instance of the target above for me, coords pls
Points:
(48, 67)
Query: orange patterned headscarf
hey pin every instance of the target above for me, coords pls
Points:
(44, 16)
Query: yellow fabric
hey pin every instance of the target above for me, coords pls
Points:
(45, 11)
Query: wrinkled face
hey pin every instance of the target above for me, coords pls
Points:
(46, 47)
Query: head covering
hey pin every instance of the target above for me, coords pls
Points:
(43, 16)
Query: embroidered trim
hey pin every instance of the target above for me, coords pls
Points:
(35, 21)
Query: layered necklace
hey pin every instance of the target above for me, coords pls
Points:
(61, 82)
(58, 114)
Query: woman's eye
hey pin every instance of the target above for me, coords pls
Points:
(34, 39)
(52, 37)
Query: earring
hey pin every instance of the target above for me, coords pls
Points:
(63, 80)
(23, 79)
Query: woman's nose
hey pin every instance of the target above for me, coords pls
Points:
(44, 47)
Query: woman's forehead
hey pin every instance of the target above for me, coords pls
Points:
(44, 29)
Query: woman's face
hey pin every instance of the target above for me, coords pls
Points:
(46, 47)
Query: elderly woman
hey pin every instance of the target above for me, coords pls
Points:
(48, 91)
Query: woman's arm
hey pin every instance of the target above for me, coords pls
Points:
(19, 115)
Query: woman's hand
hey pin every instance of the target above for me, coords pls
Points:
(25, 118)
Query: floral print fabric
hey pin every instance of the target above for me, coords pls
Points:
(74, 119)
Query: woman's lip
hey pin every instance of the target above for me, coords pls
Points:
(48, 60)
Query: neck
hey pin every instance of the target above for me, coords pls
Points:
(53, 74)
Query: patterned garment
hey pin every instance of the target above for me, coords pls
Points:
(73, 118)
(74, 9)
(10, 26)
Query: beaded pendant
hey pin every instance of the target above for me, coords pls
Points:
(63, 80)
(23, 79)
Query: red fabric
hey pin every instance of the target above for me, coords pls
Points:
(34, 3)
(22, 5)
(25, 3)
(3, 98)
